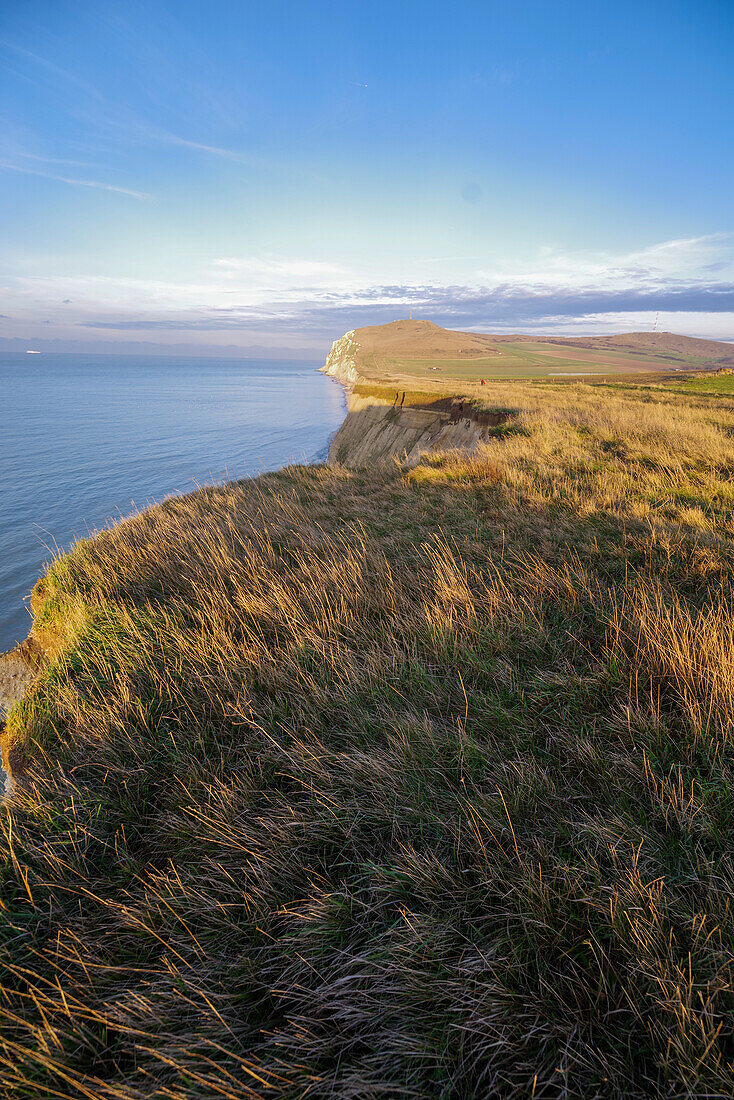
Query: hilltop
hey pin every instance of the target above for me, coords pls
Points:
(403, 352)
(418, 339)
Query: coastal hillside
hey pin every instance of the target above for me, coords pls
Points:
(664, 344)
(413, 779)
(403, 352)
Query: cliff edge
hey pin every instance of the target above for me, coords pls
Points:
(384, 423)
(377, 432)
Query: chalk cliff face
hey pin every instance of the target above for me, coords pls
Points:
(376, 433)
(341, 362)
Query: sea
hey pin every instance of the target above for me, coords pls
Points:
(88, 439)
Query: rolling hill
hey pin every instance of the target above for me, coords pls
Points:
(402, 351)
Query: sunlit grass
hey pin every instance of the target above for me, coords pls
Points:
(399, 783)
(715, 383)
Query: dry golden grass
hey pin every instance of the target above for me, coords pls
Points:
(414, 783)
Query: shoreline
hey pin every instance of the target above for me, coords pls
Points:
(21, 665)
(373, 432)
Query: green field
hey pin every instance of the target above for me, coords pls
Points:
(517, 361)
(491, 367)
(715, 384)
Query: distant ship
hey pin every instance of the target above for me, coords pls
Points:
(29, 352)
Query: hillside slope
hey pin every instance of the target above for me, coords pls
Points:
(653, 343)
(410, 782)
(421, 339)
(403, 352)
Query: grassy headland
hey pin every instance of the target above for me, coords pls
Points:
(410, 782)
(408, 353)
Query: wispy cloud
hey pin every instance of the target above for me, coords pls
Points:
(215, 150)
(259, 161)
(685, 259)
(278, 270)
(56, 160)
(105, 116)
(74, 182)
(37, 61)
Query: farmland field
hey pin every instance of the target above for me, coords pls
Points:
(406, 351)
(515, 361)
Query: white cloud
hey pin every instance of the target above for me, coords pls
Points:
(281, 271)
(684, 259)
(707, 326)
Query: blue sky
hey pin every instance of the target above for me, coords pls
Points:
(262, 177)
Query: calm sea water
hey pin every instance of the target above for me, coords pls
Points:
(86, 439)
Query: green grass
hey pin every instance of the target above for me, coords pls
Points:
(516, 361)
(412, 783)
(716, 384)
(551, 363)
(505, 366)
(387, 393)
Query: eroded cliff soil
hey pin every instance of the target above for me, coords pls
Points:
(18, 670)
(376, 433)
